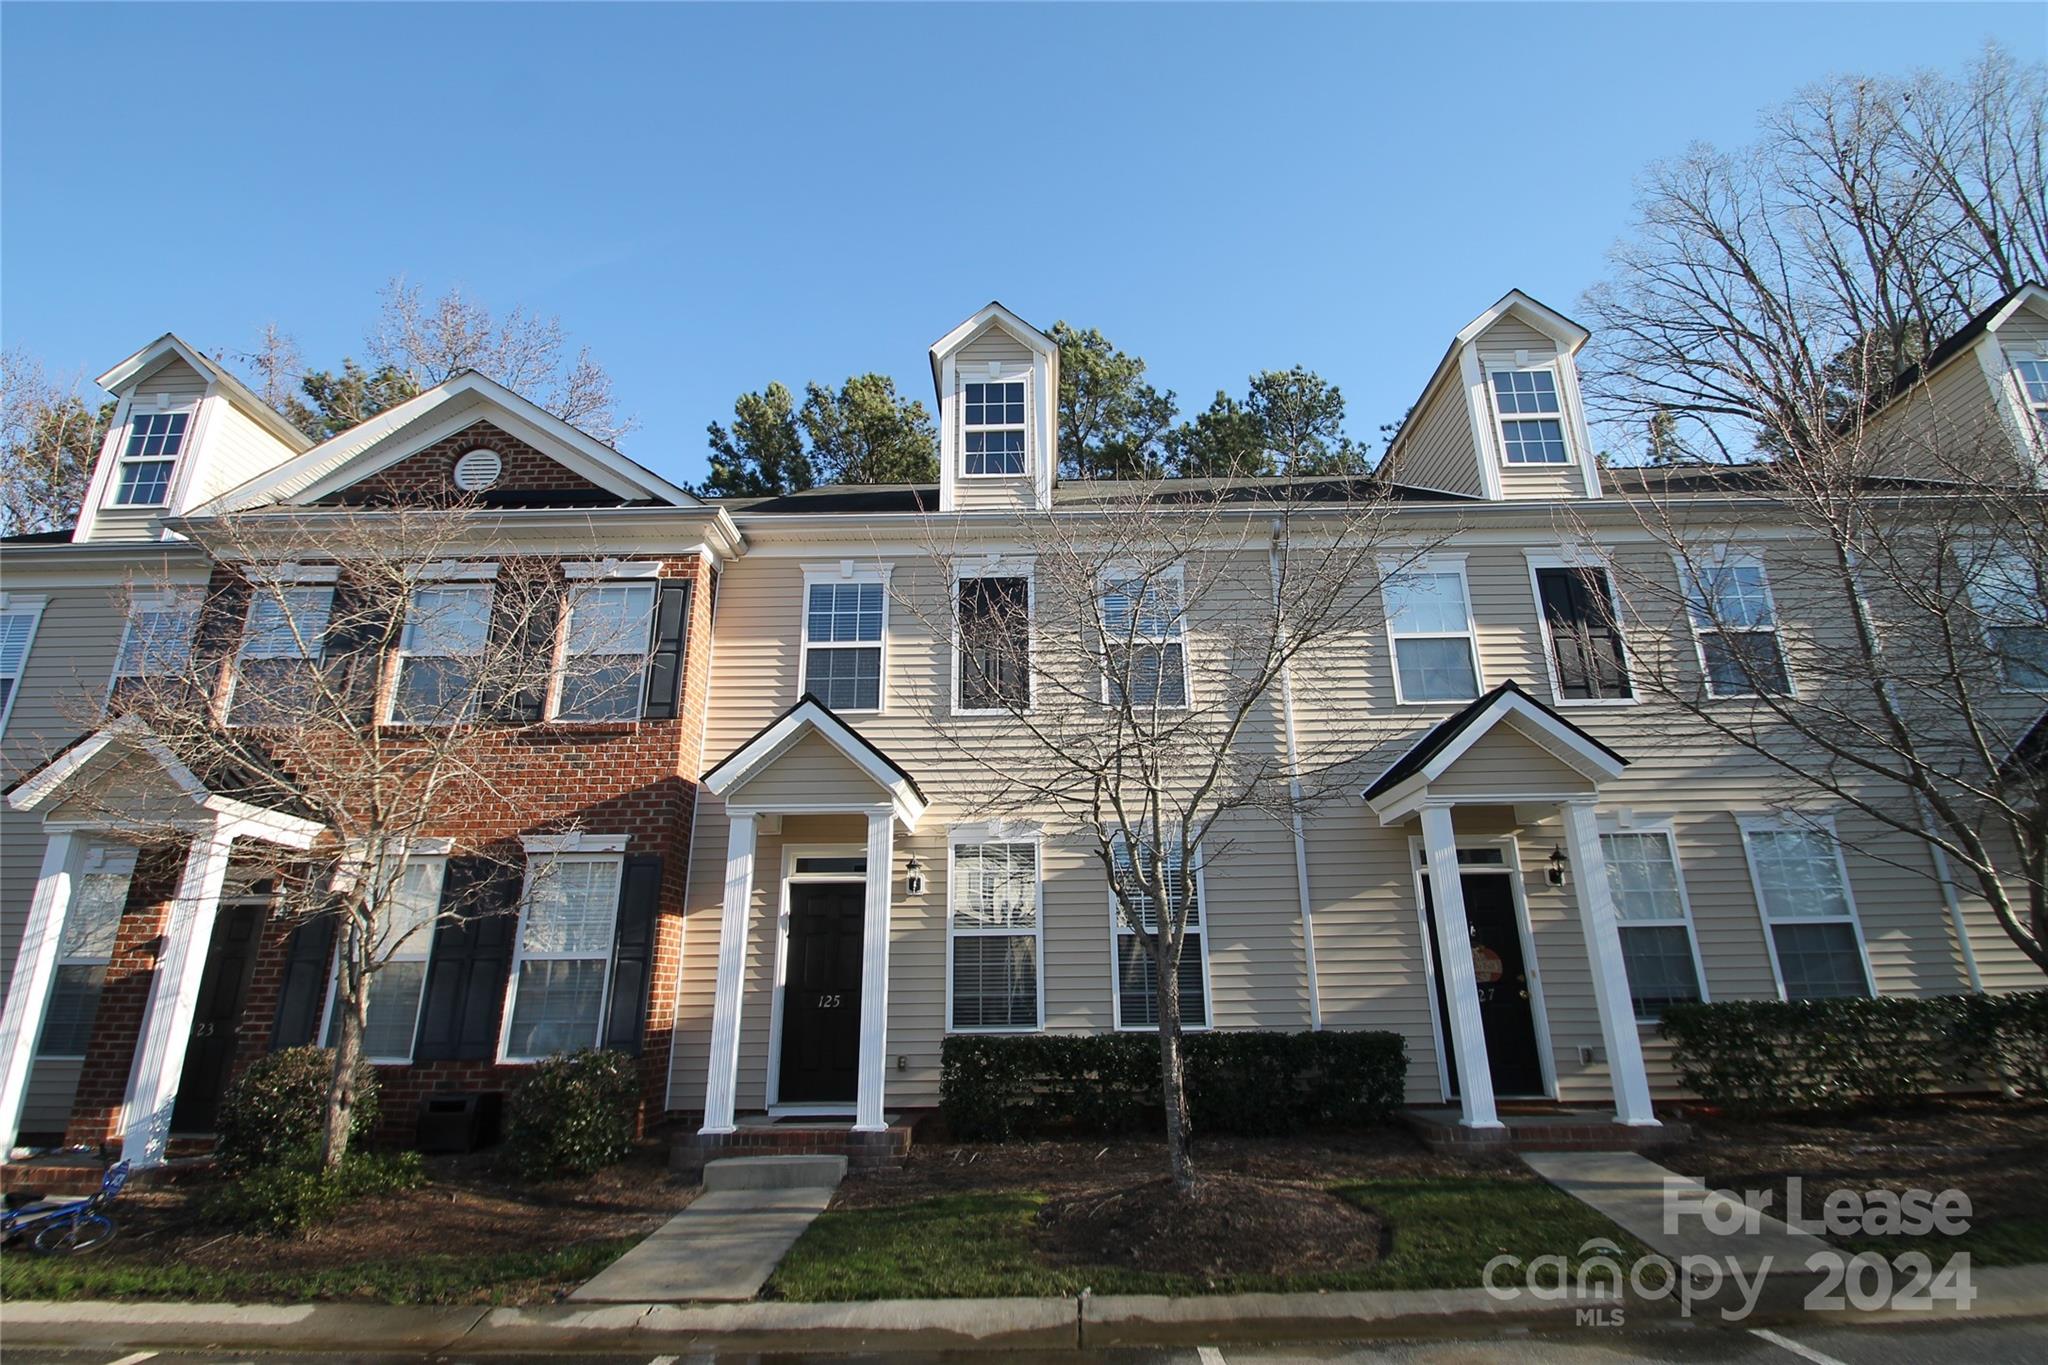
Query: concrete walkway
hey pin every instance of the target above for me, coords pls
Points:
(1675, 1214)
(723, 1247)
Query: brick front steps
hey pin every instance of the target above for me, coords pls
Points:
(761, 1137)
(1539, 1130)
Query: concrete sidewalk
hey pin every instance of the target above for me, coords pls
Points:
(889, 1325)
(1638, 1194)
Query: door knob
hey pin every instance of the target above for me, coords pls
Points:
(1524, 995)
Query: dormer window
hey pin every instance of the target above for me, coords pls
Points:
(1531, 422)
(2033, 377)
(993, 430)
(154, 440)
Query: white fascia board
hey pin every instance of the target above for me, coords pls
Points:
(2031, 297)
(743, 766)
(38, 788)
(1542, 317)
(1566, 744)
(145, 362)
(991, 312)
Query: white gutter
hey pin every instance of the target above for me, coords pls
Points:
(1308, 925)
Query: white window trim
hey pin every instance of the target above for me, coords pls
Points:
(282, 580)
(1663, 829)
(400, 653)
(536, 867)
(1817, 824)
(1720, 557)
(169, 600)
(99, 858)
(122, 459)
(2033, 416)
(634, 569)
(996, 373)
(452, 571)
(426, 960)
(1582, 560)
(1433, 564)
(1116, 933)
(558, 675)
(995, 568)
(844, 572)
(31, 606)
(1501, 419)
(971, 836)
(1177, 574)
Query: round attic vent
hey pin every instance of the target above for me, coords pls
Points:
(477, 470)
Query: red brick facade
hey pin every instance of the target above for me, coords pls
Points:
(635, 778)
(430, 473)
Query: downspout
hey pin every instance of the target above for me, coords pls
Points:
(1308, 925)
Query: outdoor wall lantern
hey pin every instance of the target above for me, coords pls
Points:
(913, 877)
(1558, 865)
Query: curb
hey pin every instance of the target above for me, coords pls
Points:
(888, 1324)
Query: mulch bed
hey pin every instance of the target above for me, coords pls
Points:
(1229, 1225)
(1993, 1150)
(466, 1209)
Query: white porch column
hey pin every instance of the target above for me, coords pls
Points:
(874, 975)
(1609, 971)
(173, 997)
(721, 1085)
(1454, 958)
(28, 993)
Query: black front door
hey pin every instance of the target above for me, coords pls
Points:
(210, 1051)
(821, 993)
(1505, 1014)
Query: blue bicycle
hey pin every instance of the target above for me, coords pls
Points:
(66, 1227)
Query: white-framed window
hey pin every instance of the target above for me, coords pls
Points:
(1802, 890)
(2005, 590)
(1430, 633)
(447, 629)
(1136, 979)
(149, 455)
(845, 633)
(1735, 625)
(86, 946)
(284, 639)
(561, 959)
(157, 640)
(992, 428)
(1658, 945)
(992, 652)
(994, 977)
(2033, 376)
(1145, 639)
(404, 948)
(19, 617)
(1531, 417)
(605, 643)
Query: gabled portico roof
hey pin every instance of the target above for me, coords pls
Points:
(73, 771)
(811, 717)
(1399, 791)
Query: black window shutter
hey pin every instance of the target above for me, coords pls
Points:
(633, 953)
(472, 954)
(665, 658)
(525, 620)
(309, 961)
(358, 627)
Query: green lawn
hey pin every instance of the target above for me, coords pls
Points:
(974, 1246)
(417, 1279)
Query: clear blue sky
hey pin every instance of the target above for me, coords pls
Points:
(712, 198)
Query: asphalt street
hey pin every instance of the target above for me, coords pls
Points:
(2002, 1342)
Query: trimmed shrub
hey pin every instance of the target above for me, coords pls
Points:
(285, 1198)
(1831, 1056)
(272, 1115)
(996, 1087)
(573, 1115)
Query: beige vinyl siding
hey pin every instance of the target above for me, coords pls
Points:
(182, 387)
(238, 448)
(810, 771)
(1439, 453)
(1504, 761)
(1946, 425)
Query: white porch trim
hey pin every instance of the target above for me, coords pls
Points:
(1602, 931)
(1461, 986)
(35, 968)
(811, 716)
(721, 1081)
(874, 976)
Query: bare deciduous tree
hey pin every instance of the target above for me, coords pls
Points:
(373, 671)
(1145, 677)
(49, 439)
